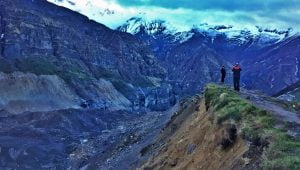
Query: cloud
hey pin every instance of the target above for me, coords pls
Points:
(226, 5)
(183, 14)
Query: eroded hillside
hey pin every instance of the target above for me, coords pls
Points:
(223, 131)
(44, 39)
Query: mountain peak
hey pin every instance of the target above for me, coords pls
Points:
(139, 24)
(136, 25)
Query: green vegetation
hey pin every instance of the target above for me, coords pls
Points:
(104, 73)
(74, 72)
(41, 66)
(256, 125)
(283, 152)
(6, 66)
(143, 82)
(123, 87)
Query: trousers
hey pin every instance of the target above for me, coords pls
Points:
(236, 83)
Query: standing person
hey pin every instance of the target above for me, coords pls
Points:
(236, 76)
(223, 74)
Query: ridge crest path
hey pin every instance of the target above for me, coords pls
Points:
(281, 114)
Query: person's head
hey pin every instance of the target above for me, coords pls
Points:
(223, 66)
(236, 64)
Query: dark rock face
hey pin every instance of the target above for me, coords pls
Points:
(42, 38)
(274, 69)
(191, 65)
(291, 93)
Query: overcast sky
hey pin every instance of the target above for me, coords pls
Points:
(280, 14)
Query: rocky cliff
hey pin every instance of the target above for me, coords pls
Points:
(44, 39)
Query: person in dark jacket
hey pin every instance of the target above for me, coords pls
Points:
(223, 74)
(236, 76)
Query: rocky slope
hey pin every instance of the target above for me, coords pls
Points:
(263, 53)
(189, 62)
(291, 93)
(277, 66)
(30, 93)
(44, 39)
(74, 93)
(76, 138)
(224, 131)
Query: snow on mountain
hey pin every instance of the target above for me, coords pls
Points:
(85, 7)
(182, 37)
(261, 37)
(136, 24)
(114, 15)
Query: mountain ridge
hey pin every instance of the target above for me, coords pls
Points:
(48, 39)
(234, 46)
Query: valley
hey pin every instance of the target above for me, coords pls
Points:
(76, 94)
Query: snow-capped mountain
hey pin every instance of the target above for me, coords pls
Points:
(137, 24)
(262, 36)
(79, 6)
(269, 57)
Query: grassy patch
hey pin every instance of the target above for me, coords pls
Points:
(74, 72)
(42, 66)
(39, 66)
(124, 88)
(104, 73)
(6, 66)
(143, 82)
(283, 152)
(256, 125)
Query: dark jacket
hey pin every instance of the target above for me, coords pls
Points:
(223, 72)
(236, 71)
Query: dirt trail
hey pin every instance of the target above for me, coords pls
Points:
(266, 103)
(281, 114)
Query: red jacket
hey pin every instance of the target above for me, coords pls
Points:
(236, 71)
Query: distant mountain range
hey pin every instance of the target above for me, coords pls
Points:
(269, 58)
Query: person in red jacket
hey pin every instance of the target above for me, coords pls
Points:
(236, 76)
